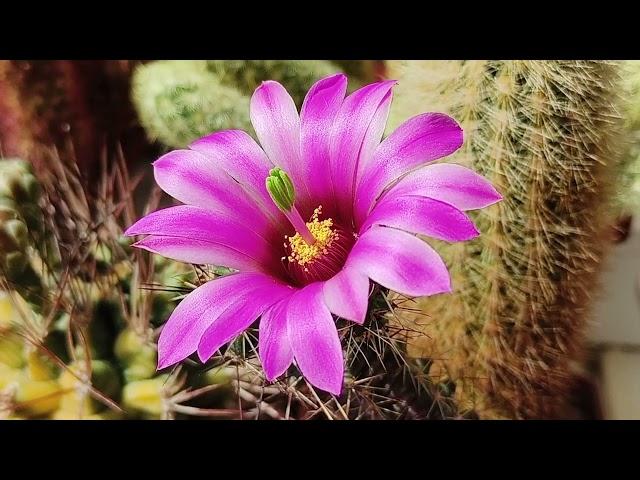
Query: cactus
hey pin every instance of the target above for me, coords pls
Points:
(296, 75)
(628, 198)
(545, 134)
(87, 348)
(20, 226)
(179, 101)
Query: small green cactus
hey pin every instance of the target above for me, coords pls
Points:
(296, 75)
(20, 225)
(179, 101)
(628, 184)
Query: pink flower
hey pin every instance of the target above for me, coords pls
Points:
(341, 208)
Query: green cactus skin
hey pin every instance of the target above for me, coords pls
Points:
(628, 199)
(20, 226)
(179, 101)
(545, 134)
(296, 75)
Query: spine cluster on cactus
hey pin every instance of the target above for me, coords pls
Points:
(179, 101)
(545, 134)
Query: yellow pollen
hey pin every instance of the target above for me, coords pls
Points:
(301, 251)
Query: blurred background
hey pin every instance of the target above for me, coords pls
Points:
(544, 321)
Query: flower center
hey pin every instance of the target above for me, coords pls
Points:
(324, 236)
(307, 263)
(319, 248)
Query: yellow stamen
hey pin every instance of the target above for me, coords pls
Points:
(303, 253)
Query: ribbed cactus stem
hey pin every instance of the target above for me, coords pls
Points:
(628, 198)
(545, 134)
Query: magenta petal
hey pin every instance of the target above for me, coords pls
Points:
(194, 179)
(275, 119)
(374, 134)
(358, 126)
(274, 347)
(201, 253)
(347, 295)
(316, 119)
(450, 183)
(182, 332)
(193, 226)
(399, 261)
(422, 215)
(235, 152)
(419, 140)
(314, 339)
(239, 315)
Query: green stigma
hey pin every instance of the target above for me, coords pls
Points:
(280, 189)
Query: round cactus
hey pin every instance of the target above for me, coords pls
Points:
(179, 101)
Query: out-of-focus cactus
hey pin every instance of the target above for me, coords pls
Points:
(545, 134)
(296, 75)
(145, 396)
(20, 226)
(179, 101)
(75, 381)
(628, 184)
(137, 356)
(36, 397)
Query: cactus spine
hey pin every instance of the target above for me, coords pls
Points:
(544, 133)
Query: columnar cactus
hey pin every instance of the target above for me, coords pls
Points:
(628, 200)
(545, 134)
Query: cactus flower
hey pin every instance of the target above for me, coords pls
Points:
(306, 220)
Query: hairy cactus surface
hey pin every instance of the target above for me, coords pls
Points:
(545, 134)
(628, 198)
